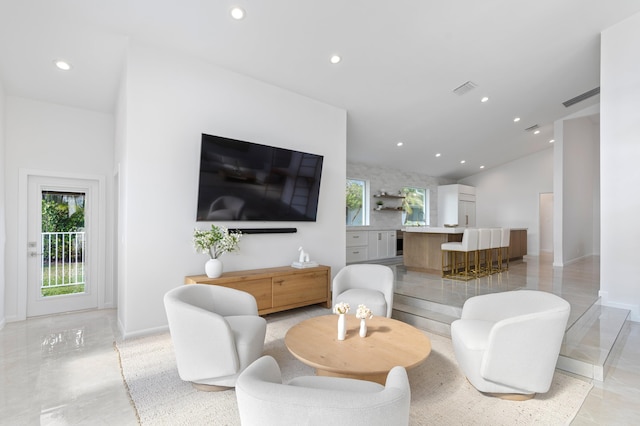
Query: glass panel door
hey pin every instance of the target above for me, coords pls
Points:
(61, 220)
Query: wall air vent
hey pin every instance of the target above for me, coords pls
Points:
(580, 98)
(532, 128)
(465, 88)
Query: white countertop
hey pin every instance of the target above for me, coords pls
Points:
(371, 228)
(434, 229)
(443, 230)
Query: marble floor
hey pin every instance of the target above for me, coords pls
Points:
(63, 369)
(577, 283)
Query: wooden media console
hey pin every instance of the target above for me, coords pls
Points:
(277, 289)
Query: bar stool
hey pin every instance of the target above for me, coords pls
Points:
(506, 241)
(469, 244)
(496, 244)
(482, 267)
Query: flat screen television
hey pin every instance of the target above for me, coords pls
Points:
(246, 181)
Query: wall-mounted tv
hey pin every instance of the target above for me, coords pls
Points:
(246, 181)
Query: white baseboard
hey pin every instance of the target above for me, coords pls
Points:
(634, 310)
(142, 333)
(569, 262)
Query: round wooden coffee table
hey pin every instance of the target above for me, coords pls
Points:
(388, 343)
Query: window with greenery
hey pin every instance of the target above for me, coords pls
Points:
(414, 207)
(357, 210)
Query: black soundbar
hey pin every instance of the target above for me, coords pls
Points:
(265, 230)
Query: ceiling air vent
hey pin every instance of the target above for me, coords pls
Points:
(580, 98)
(532, 128)
(465, 88)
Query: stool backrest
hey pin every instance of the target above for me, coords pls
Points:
(470, 239)
(496, 237)
(506, 237)
(484, 238)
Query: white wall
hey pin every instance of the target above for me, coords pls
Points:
(50, 138)
(620, 174)
(119, 196)
(2, 208)
(508, 195)
(581, 172)
(546, 222)
(576, 185)
(169, 101)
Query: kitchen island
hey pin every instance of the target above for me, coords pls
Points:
(421, 251)
(421, 248)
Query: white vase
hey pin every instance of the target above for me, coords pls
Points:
(363, 328)
(213, 268)
(342, 327)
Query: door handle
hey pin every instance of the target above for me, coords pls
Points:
(34, 254)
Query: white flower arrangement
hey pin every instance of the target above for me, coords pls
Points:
(363, 312)
(341, 308)
(216, 241)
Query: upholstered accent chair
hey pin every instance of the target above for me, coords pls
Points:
(365, 284)
(216, 333)
(507, 344)
(264, 400)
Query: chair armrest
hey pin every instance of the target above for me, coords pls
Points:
(264, 369)
(397, 378)
(340, 285)
(534, 340)
(203, 341)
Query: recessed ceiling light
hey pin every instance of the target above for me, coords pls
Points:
(237, 13)
(335, 59)
(438, 155)
(482, 167)
(536, 132)
(552, 141)
(485, 99)
(63, 65)
(400, 143)
(463, 161)
(515, 120)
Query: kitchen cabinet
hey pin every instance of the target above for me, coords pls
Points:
(382, 244)
(456, 205)
(517, 243)
(371, 245)
(357, 246)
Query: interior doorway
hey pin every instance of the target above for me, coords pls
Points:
(546, 222)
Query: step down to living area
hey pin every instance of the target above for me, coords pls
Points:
(586, 350)
(425, 314)
(588, 344)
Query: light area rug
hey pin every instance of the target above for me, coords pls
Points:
(440, 394)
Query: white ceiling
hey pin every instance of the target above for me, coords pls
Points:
(401, 61)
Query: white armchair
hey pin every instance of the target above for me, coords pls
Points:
(263, 400)
(508, 343)
(365, 284)
(216, 333)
